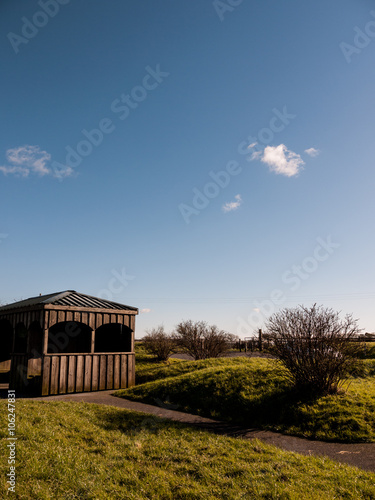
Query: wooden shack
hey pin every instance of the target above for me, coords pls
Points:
(67, 342)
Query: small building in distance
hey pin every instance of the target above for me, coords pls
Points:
(67, 342)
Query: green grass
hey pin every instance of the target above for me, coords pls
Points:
(256, 393)
(86, 451)
(146, 364)
(176, 367)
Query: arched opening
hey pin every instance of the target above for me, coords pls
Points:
(35, 350)
(6, 335)
(69, 337)
(35, 339)
(113, 337)
(20, 343)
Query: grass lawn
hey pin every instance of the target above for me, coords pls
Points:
(255, 392)
(86, 451)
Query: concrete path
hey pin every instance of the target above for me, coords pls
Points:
(360, 455)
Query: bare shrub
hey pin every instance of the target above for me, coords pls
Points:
(316, 346)
(159, 343)
(201, 340)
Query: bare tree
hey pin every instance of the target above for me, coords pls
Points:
(201, 340)
(316, 346)
(159, 343)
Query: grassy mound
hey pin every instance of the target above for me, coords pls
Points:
(175, 367)
(146, 364)
(87, 451)
(257, 393)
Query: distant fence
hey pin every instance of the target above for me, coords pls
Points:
(263, 342)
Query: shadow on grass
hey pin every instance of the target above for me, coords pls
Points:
(268, 412)
(133, 423)
(274, 408)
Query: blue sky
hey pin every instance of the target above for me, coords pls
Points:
(193, 159)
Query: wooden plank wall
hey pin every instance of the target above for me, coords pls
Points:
(94, 319)
(48, 317)
(67, 373)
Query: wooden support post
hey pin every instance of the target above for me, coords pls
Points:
(92, 350)
(260, 340)
(131, 320)
(132, 342)
(45, 341)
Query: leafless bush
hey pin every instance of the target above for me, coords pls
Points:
(316, 346)
(201, 340)
(159, 343)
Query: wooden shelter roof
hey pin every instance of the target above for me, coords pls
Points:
(68, 298)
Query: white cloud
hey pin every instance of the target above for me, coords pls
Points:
(145, 311)
(282, 161)
(63, 171)
(256, 155)
(233, 205)
(30, 158)
(252, 145)
(26, 160)
(24, 172)
(312, 152)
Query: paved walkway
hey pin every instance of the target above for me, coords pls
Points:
(360, 455)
